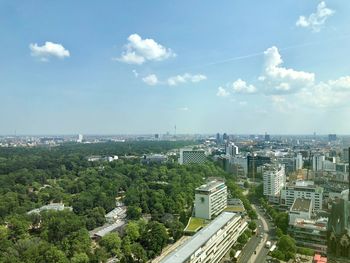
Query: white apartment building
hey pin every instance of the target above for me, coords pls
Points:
(192, 156)
(302, 189)
(274, 179)
(210, 199)
(298, 162)
(211, 243)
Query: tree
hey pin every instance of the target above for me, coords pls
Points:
(132, 230)
(80, 258)
(176, 229)
(112, 243)
(252, 225)
(133, 212)
(281, 220)
(286, 245)
(154, 238)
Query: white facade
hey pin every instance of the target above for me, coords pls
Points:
(210, 199)
(192, 156)
(298, 162)
(274, 179)
(303, 189)
(317, 162)
(232, 149)
(211, 243)
(80, 138)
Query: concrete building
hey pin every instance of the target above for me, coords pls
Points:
(154, 158)
(253, 162)
(231, 149)
(211, 243)
(302, 189)
(274, 179)
(299, 162)
(192, 156)
(210, 199)
(307, 232)
(317, 162)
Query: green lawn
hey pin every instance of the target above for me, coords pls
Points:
(235, 209)
(195, 224)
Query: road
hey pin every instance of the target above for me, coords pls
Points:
(256, 243)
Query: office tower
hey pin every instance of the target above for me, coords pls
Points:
(317, 162)
(80, 138)
(192, 156)
(267, 137)
(231, 149)
(255, 161)
(332, 137)
(210, 199)
(299, 162)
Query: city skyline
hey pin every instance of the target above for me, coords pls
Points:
(242, 67)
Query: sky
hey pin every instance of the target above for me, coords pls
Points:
(136, 67)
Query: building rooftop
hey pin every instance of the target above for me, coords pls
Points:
(301, 205)
(210, 185)
(182, 253)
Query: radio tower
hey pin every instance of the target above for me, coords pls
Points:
(175, 131)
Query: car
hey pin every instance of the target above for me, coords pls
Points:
(261, 235)
(259, 226)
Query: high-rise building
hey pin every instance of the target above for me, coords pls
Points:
(218, 138)
(211, 243)
(274, 179)
(299, 162)
(332, 137)
(210, 199)
(255, 161)
(80, 138)
(267, 137)
(302, 189)
(231, 149)
(192, 156)
(317, 162)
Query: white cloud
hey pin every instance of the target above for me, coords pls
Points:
(315, 21)
(242, 103)
(222, 92)
(333, 93)
(179, 79)
(280, 79)
(138, 50)
(240, 86)
(136, 74)
(184, 109)
(151, 80)
(49, 49)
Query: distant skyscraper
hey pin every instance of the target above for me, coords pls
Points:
(299, 162)
(231, 149)
(332, 137)
(225, 136)
(80, 138)
(267, 137)
(218, 138)
(317, 162)
(156, 136)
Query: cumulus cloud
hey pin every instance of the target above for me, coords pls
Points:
(332, 93)
(49, 49)
(289, 89)
(179, 79)
(222, 92)
(138, 50)
(316, 20)
(151, 80)
(280, 79)
(240, 86)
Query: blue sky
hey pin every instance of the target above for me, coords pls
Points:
(113, 67)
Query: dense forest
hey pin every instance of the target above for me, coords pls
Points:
(32, 177)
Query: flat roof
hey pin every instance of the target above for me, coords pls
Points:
(210, 185)
(186, 250)
(301, 205)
